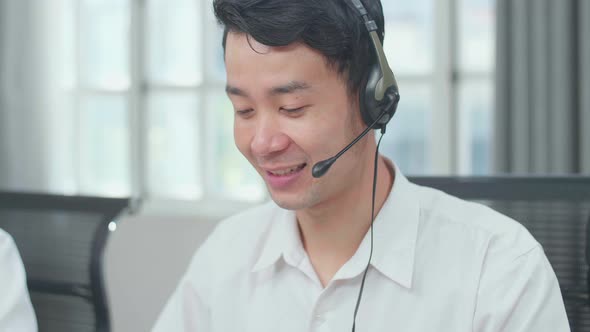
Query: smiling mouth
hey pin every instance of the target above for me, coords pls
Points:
(287, 171)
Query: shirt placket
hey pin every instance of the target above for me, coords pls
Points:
(321, 312)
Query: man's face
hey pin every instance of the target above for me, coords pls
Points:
(292, 110)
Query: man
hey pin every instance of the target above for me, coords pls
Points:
(16, 311)
(295, 73)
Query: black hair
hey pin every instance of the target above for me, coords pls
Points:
(332, 27)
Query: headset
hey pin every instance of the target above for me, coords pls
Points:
(380, 94)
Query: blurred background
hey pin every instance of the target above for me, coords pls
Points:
(125, 98)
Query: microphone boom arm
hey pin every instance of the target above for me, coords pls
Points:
(321, 167)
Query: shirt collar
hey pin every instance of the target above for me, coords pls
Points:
(282, 240)
(395, 230)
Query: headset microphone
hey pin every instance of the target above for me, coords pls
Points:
(321, 167)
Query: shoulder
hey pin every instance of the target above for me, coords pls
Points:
(10, 262)
(9, 256)
(235, 242)
(15, 303)
(249, 221)
(7, 244)
(242, 230)
(4, 237)
(473, 222)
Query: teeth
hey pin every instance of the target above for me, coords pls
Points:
(287, 171)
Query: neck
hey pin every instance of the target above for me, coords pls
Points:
(332, 232)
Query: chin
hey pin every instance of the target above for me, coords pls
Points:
(287, 204)
(291, 201)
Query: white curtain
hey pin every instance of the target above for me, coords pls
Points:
(33, 102)
(543, 87)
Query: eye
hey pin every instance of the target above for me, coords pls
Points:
(245, 113)
(293, 111)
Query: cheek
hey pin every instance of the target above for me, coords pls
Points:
(318, 139)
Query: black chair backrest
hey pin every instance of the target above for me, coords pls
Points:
(61, 240)
(556, 210)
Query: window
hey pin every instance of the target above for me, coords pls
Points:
(442, 53)
(409, 35)
(150, 115)
(475, 85)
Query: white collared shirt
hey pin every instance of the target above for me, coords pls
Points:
(439, 264)
(16, 311)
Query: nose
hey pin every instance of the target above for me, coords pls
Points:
(269, 138)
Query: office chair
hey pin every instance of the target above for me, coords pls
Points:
(556, 210)
(61, 241)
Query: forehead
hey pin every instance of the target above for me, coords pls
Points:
(247, 59)
(242, 44)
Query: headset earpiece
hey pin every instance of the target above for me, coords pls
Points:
(380, 92)
(370, 107)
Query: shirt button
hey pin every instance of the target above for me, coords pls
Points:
(319, 319)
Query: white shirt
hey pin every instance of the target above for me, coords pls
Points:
(439, 264)
(16, 311)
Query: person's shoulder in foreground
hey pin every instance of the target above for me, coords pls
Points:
(16, 311)
(229, 251)
(463, 267)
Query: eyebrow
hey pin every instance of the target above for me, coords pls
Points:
(291, 87)
(232, 90)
